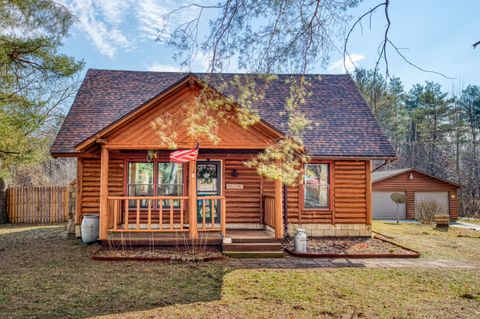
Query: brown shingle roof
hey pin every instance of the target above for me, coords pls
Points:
(342, 124)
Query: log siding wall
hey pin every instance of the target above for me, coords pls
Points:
(90, 184)
(348, 203)
(349, 200)
(243, 206)
(348, 183)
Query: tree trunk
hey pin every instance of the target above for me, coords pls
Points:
(411, 142)
(457, 167)
(431, 156)
(3, 202)
(457, 153)
(476, 169)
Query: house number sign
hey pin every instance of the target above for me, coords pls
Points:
(234, 186)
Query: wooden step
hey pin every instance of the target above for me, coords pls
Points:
(254, 254)
(253, 240)
(253, 247)
(246, 247)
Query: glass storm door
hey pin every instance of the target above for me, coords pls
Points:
(208, 184)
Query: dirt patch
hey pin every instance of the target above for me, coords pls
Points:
(352, 247)
(164, 255)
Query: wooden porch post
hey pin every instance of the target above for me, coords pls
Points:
(104, 193)
(278, 210)
(192, 199)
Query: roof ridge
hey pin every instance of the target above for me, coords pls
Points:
(218, 73)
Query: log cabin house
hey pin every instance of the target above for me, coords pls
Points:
(108, 130)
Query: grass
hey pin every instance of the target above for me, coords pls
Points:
(43, 275)
(456, 243)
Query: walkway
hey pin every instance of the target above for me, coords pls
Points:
(294, 262)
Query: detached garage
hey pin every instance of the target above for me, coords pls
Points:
(417, 186)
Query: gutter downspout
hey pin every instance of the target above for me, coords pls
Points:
(385, 162)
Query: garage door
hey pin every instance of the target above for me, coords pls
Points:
(385, 208)
(441, 197)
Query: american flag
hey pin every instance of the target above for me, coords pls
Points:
(184, 156)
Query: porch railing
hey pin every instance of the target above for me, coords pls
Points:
(269, 210)
(165, 213)
(211, 213)
(148, 213)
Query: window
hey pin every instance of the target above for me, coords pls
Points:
(170, 181)
(316, 186)
(154, 179)
(140, 182)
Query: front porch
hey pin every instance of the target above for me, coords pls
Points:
(193, 217)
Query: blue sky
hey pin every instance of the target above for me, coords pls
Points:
(437, 35)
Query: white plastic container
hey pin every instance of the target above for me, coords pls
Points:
(300, 244)
(89, 228)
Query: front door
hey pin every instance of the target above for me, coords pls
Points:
(209, 181)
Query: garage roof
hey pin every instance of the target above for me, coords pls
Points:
(383, 175)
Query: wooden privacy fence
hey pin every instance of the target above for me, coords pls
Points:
(37, 204)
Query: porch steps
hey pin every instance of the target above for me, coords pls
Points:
(253, 248)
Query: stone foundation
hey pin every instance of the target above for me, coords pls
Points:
(330, 230)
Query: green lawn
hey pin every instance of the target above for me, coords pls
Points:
(43, 275)
(456, 243)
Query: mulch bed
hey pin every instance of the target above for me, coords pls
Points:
(352, 247)
(162, 255)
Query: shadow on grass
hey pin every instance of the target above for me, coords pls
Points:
(46, 276)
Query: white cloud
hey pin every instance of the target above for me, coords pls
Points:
(114, 11)
(105, 36)
(106, 23)
(163, 68)
(200, 62)
(151, 20)
(349, 63)
(149, 15)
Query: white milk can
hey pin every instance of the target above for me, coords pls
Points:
(301, 241)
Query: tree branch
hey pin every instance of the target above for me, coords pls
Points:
(382, 53)
(416, 66)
